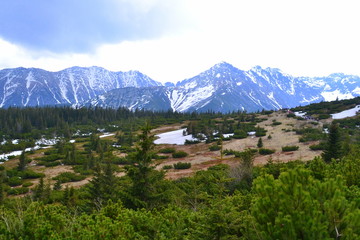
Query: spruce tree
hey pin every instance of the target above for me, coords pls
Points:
(141, 172)
(260, 143)
(333, 145)
(22, 161)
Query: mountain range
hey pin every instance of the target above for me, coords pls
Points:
(222, 88)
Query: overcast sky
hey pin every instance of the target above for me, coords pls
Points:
(170, 40)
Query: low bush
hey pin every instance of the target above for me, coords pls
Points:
(179, 154)
(189, 142)
(266, 151)
(50, 158)
(17, 191)
(291, 115)
(276, 123)
(167, 150)
(240, 134)
(160, 157)
(290, 148)
(167, 167)
(27, 184)
(182, 165)
(69, 177)
(214, 148)
(122, 160)
(320, 146)
(14, 181)
(29, 174)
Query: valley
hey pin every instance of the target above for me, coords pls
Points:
(200, 156)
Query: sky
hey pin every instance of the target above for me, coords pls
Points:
(171, 40)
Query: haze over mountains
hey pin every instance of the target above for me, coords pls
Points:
(221, 88)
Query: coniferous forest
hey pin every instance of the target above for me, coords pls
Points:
(128, 197)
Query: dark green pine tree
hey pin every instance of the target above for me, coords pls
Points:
(260, 143)
(333, 145)
(103, 186)
(22, 162)
(57, 185)
(141, 172)
(39, 190)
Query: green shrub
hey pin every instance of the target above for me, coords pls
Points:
(17, 191)
(260, 132)
(167, 150)
(214, 148)
(291, 115)
(324, 116)
(160, 157)
(121, 160)
(51, 158)
(167, 167)
(14, 181)
(182, 165)
(290, 148)
(240, 134)
(81, 170)
(69, 177)
(189, 142)
(228, 152)
(276, 123)
(320, 146)
(179, 154)
(266, 151)
(27, 184)
(29, 174)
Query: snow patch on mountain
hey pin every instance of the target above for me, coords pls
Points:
(337, 94)
(356, 90)
(196, 96)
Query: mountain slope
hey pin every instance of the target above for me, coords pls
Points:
(225, 88)
(37, 87)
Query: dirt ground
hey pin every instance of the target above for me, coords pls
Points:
(201, 158)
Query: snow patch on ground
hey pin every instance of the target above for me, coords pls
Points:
(48, 142)
(347, 113)
(106, 135)
(173, 137)
(17, 153)
(300, 114)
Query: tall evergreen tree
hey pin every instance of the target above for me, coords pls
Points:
(333, 145)
(22, 161)
(142, 174)
(260, 143)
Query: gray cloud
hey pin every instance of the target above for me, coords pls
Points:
(81, 25)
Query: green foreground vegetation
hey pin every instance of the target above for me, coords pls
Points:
(317, 199)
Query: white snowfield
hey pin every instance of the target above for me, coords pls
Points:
(347, 113)
(173, 137)
(300, 114)
(17, 153)
(106, 135)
